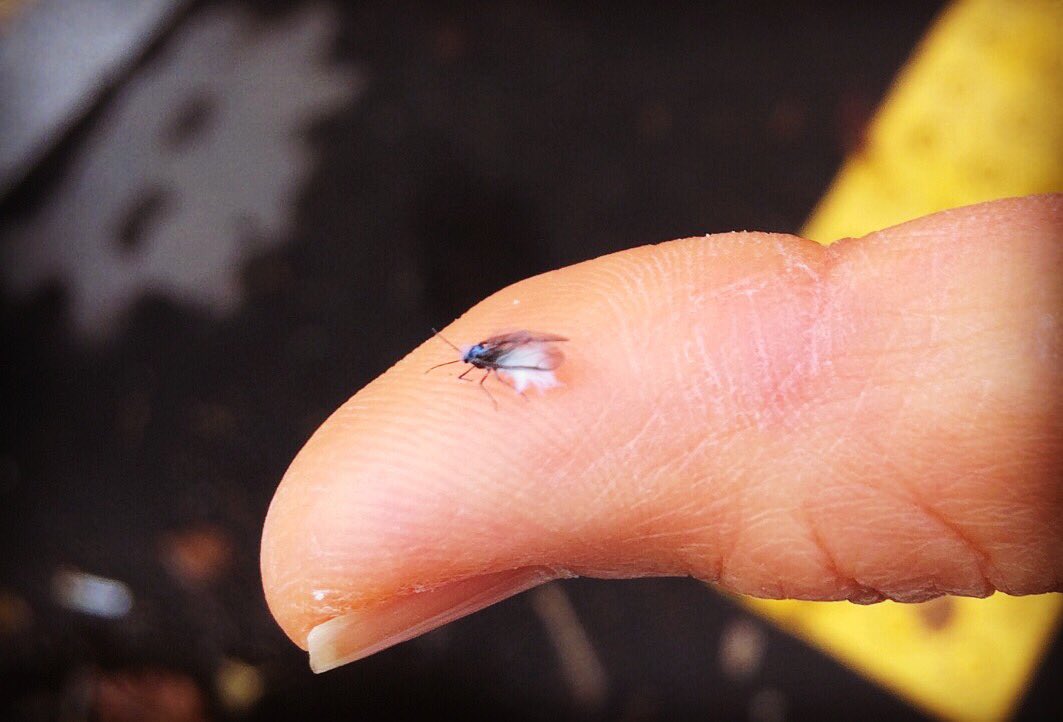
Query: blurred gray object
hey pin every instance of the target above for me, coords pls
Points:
(56, 57)
(189, 168)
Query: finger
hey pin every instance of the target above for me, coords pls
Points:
(875, 419)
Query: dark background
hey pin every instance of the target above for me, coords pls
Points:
(478, 144)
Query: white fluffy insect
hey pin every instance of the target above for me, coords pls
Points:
(522, 358)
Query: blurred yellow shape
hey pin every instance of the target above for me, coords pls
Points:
(977, 114)
(957, 658)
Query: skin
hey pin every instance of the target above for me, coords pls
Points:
(875, 419)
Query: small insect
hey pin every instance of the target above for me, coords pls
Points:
(523, 358)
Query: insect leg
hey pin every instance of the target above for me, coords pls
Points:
(485, 388)
(462, 377)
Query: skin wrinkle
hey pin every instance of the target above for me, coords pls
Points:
(813, 292)
(981, 556)
(736, 534)
(975, 553)
(711, 372)
(726, 531)
(720, 573)
(752, 283)
(616, 295)
(645, 427)
(766, 358)
(697, 393)
(668, 514)
(995, 515)
(712, 528)
(853, 590)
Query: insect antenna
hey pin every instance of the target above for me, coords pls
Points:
(445, 363)
(437, 333)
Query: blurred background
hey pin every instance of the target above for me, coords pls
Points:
(220, 219)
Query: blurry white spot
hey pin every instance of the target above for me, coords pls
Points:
(90, 594)
(319, 594)
(767, 705)
(579, 662)
(239, 685)
(217, 193)
(516, 302)
(741, 650)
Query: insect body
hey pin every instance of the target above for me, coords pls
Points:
(523, 358)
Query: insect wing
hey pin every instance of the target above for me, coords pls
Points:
(530, 354)
(505, 342)
(545, 337)
(552, 358)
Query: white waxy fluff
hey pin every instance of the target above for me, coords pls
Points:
(524, 378)
(531, 365)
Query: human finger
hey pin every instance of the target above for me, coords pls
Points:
(875, 419)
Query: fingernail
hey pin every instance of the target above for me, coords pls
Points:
(367, 631)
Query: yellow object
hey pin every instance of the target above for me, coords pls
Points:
(977, 114)
(957, 658)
